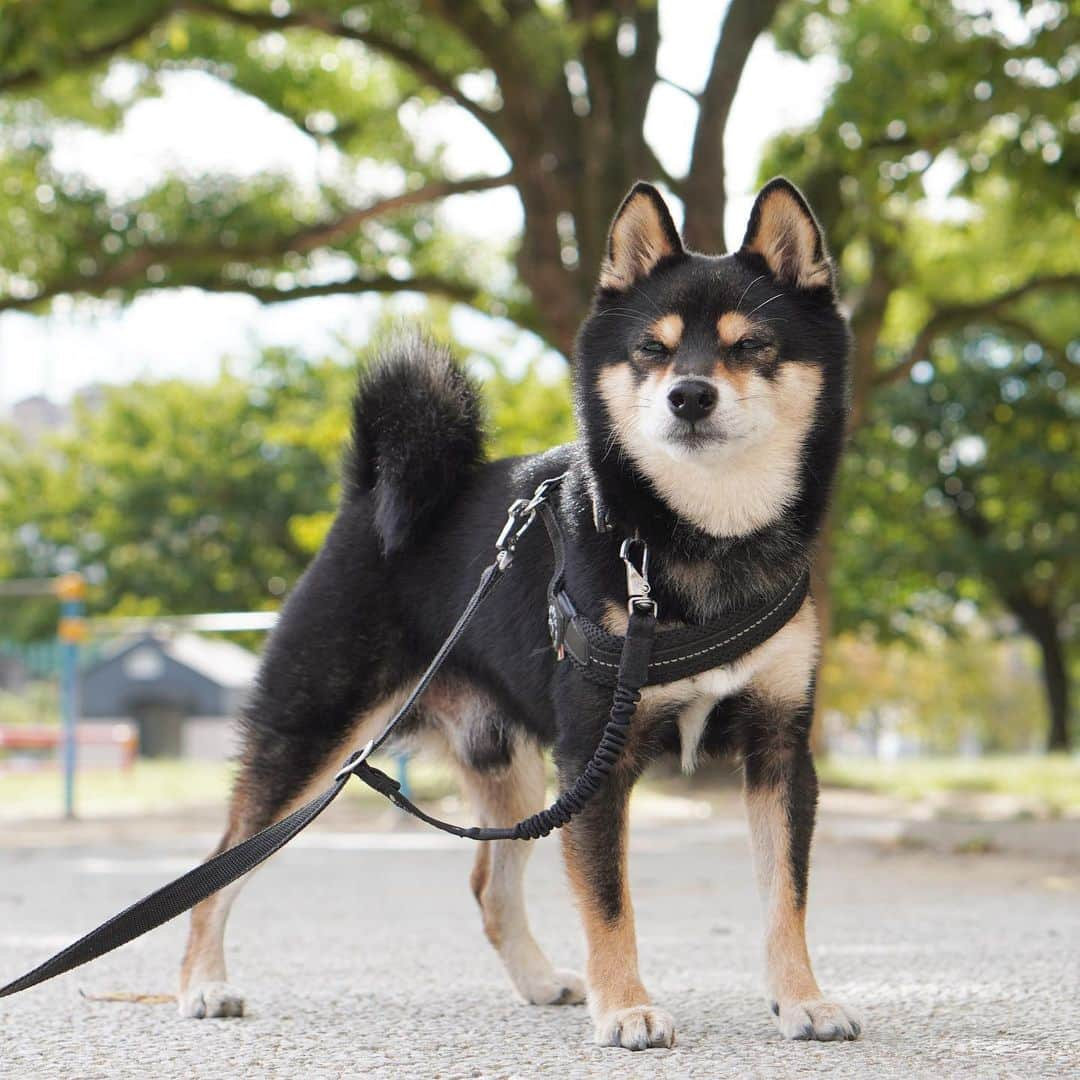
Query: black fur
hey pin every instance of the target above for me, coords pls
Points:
(417, 434)
(418, 521)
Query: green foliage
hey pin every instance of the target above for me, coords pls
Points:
(960, 487)
(530, 413)
(267, 235)
(181, 497)
(940, 692)
(965, 486)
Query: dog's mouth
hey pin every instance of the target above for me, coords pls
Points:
(695, 437)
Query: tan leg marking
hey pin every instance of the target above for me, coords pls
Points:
(618, 1001)
(497, 880)
(204, 989)
(798, 1006)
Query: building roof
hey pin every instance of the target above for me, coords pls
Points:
(222, 662)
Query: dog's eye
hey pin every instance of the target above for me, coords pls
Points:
(653, 347)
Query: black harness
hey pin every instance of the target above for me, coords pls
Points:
(628, 663)
(678, 653)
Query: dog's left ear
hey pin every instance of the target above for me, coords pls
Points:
(642, 234)
(784, 232)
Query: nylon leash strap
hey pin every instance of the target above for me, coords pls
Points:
(228, 866)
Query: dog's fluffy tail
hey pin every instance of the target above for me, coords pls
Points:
(417, 435)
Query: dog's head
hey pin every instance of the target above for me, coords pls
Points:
(694, 366)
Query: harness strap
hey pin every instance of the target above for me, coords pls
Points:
(633, 667)
(679, 653)
(226, 867)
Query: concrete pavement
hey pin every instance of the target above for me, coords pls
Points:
(361, 954)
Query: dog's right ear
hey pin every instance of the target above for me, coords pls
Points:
(642, 235)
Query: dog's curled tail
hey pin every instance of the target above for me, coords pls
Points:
(417, 435)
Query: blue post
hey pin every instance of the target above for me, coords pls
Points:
(71, 589)
(403, 775)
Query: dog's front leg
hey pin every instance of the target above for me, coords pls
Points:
(594, 846)
(781, 802)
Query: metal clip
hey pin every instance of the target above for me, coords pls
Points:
(520, 515)
(637, 575)
(350, 765)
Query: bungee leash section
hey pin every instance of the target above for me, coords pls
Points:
(203, 881)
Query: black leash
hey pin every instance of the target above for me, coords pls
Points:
(203, 881)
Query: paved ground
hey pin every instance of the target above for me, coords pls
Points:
(361, 955)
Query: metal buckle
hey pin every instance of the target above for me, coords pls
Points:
(350, 765)
(637, 574)
(519, 516)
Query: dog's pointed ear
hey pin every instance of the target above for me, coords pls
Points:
(642, 235)
(785, 233)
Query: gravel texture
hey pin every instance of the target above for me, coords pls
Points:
(361, 954)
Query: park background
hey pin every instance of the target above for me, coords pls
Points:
(210, 211)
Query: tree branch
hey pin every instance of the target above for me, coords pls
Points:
(429, 284)
(420, 65)
(696, 98)
(948, 318)
(425, 69)
(135, 263)
(81, 58)
(314, 236)
(704, 188)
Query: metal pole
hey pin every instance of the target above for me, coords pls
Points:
(403, 775)
(71, 590)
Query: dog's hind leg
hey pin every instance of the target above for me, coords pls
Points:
(278, 774)
(204, 991)
(503, 796)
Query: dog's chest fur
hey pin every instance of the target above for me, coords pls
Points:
(781, 667)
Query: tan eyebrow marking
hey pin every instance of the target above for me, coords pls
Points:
(668, 330)
(732, 327)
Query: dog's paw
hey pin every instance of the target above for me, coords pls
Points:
(820, 1021)
(640, 1027)
(212, 999)
(557, 987)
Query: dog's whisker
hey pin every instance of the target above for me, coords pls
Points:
(775, 296)
(747, 289)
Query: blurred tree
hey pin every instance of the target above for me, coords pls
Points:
(949, 200)
(963, 493)
(561, 87)
(987, 124)
(945, 692)
(179, 497)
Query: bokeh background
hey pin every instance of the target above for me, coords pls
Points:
(211, 209)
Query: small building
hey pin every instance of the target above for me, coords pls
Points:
(182, 691)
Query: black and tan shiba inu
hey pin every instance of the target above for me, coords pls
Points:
(711, 394)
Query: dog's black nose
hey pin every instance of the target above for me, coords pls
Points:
(692, 399)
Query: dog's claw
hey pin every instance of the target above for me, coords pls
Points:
(641, 1027)
(817, 1021)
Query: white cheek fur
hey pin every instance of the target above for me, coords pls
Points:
(731, 488)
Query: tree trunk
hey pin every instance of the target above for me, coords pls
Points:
(1056, 684)
(1055, 678)
(1040, 621)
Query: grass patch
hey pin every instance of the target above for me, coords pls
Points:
(160, 786)
(1052, 781)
